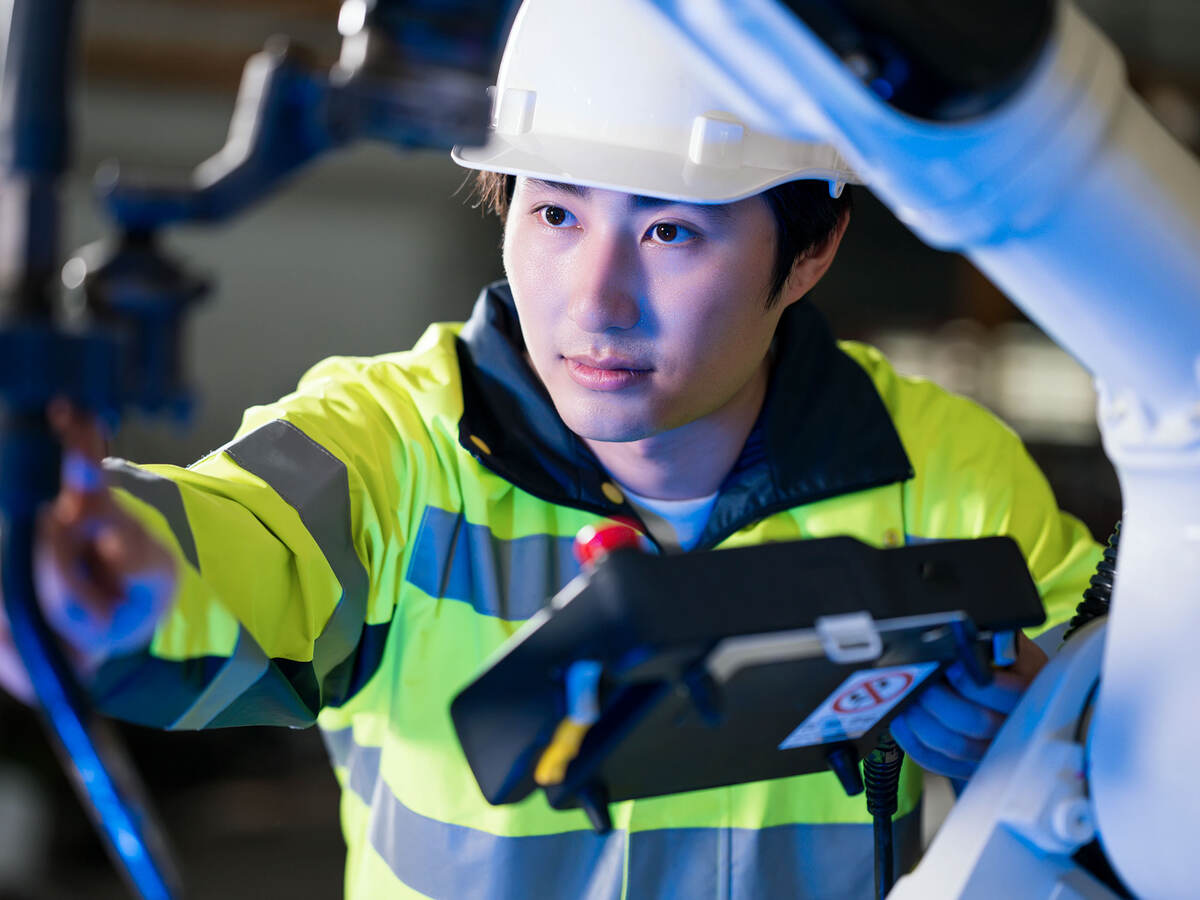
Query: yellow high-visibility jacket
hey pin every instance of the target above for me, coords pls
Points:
(362, 545)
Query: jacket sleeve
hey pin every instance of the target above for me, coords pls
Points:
(284, 538)
(975, 478)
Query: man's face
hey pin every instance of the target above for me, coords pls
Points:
(641, 315)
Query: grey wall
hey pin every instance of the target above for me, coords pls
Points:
(1158, 32)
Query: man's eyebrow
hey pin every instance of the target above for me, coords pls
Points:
(716, 211)
(559, 186)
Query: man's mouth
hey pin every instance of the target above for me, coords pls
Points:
(606, 373)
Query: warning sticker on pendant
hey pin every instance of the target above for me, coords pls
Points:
(858, 704)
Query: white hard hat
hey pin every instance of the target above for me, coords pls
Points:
(603, 93)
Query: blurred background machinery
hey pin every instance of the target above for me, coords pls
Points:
(357, 256)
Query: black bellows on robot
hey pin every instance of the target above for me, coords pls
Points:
(940, 61)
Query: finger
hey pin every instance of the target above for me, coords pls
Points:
(926, 757)
(72, 606)
(125, 547)
(958, 713)
(935, 735)
(103, 589)
(80, 509)
(70, 544)
(83, 484)
(70, 575)
(77, 430)
(84, 493)
(81, 473)
(87, 520)
(95, 626)
(1001, 695)
(80, 518)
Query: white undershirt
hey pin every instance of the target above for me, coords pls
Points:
(675, 524)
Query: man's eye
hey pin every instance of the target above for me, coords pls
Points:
(556, 216)
(670, 233)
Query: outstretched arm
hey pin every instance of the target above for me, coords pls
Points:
(103, 581)
(271, 614)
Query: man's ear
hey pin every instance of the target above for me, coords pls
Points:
(812, 264)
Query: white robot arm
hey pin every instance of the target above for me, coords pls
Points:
(1079, 205)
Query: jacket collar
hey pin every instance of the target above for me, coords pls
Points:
(823, 429)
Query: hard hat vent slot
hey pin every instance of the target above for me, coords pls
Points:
(514, 111)
(716, 142)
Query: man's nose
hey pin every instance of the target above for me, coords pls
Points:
(605, 292)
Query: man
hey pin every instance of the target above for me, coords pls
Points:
(363, 545)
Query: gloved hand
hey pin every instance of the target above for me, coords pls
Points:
(951, 725)
(102, 580)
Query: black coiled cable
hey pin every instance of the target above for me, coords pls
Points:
(1098, 596)
(1096, 602)
(881, 778)
(881, 768)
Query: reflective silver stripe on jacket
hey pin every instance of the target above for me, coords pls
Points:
(510, 579)
(315, 483)
(244, 667)
(247, 663)
(443, 860)
(161, 493)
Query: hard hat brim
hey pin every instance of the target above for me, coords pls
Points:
(640, 171)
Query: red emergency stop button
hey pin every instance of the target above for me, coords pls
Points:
(593, 542)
